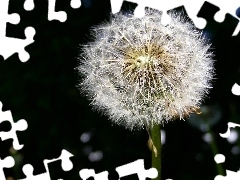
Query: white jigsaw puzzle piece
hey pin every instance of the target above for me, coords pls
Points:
(230, 175)
(230, 125)
(60, 15)
(21, 125)
(53, 15)
(163, 6)
(236, 89)
(67, 165)
(8, 162)
(75, 4)
(29, 5)
(136, 167)
(87, 173)
(28, 171)
(220, 158)
(226, 7)
(9, 45)
(192, 9)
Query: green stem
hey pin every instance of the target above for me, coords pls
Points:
(215, 151)
(156, 155)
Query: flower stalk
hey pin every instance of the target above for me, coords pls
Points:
(215, 151)
(156, 155)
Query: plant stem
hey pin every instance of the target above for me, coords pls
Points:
(215, 151)
(156, 155)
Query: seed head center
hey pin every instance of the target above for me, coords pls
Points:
(141, 61)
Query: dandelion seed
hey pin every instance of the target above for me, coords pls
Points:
(140, 73)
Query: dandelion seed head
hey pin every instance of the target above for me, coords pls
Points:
(140, 73)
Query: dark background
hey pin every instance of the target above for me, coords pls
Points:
(43, 92)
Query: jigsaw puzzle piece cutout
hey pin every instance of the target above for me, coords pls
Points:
(227, 133)
(139, 11)
(29, 5)
(208, 12)
(66, 166)
(57, 171)
(229, 175)
(116, 5)
(28, 171)
(87, 173)
(9, 46)
(162, 6)
(13, 18)
(53, 15)
(225, 7)
(192, 8)
(20, 125)
(4, 115)
(8, 162)
(220, 159)
(75, 4)
(236, 89)
(136, 167)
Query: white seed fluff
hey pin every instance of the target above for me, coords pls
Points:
(140, 73)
